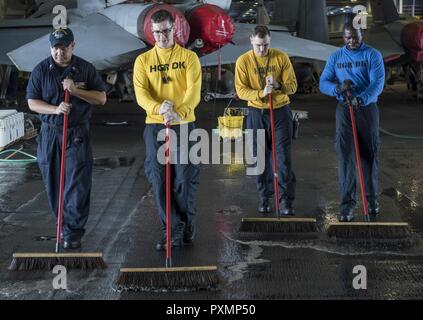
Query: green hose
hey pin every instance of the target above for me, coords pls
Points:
(399, 136)
(30, 159)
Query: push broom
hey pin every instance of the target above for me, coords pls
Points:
(366, 230)
(168, 278)
(46, 261)
(276, 224)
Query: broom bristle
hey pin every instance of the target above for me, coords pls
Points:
(167, 279)
(371, 233)
(283, 225)
(354, 230)
(47, 262)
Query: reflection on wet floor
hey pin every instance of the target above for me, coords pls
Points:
(266, 272)
(248, 256)
(316, 268)
(13, 175)
(114, 162)
(228, 222)
(125, 227)
(412, 212)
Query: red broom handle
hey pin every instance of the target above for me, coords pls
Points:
(168, 208)
(62, 175)
(358, 158)
(275, 166)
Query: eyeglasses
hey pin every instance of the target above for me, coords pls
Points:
(164, 32)
(264, 45)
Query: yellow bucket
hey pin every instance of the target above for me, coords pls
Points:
(230, 127)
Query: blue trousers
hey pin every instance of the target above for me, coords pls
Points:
(260, 119)
(184, 180)
(367, 122)
(78, 175)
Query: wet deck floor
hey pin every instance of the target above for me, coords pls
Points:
(124, 226)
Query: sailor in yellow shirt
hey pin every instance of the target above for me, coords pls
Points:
(258, 73)
(167, 82)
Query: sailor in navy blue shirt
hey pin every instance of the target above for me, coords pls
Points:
(45, 94)
(362, 66)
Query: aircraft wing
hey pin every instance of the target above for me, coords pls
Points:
(380, 39)
(98, 40)
(293, 46)
(16, 33)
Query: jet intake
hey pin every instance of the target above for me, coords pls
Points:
(412, 39)
(211, 24)
(182, 28)
(135, 18)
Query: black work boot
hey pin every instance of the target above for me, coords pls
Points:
(175, 242)
(285, 209)
(373, 210)
(189, 232)
(264, 206)
(346, 216)
(342, 217)
(177, 237)
(72, 244)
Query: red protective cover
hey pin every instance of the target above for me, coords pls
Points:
(212, 24)
(412, 39)
(181, 24)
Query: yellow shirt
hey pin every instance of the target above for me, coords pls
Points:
(247, 78)
(183, 68)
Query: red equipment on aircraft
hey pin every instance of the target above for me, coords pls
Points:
(182, 28)
(412, 38)
(212, 25)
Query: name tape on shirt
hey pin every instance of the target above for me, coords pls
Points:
(165, 67)
(350, 65)
(264, 70)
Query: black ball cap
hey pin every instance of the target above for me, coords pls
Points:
(61, 37)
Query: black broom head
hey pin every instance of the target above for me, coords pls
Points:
(167, 279)
(371, 230)
(374, 234)
(283, 225)
(47, 261)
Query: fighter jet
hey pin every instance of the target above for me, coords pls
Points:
(399, 40)
(111, 33)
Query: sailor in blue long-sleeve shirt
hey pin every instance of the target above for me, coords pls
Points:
(363, 65)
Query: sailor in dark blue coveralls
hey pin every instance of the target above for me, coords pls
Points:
(363, 66)
(45, 94)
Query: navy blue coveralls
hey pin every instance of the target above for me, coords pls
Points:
(185, 178)
(365, 68)
(260, 119)
(45, 84)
